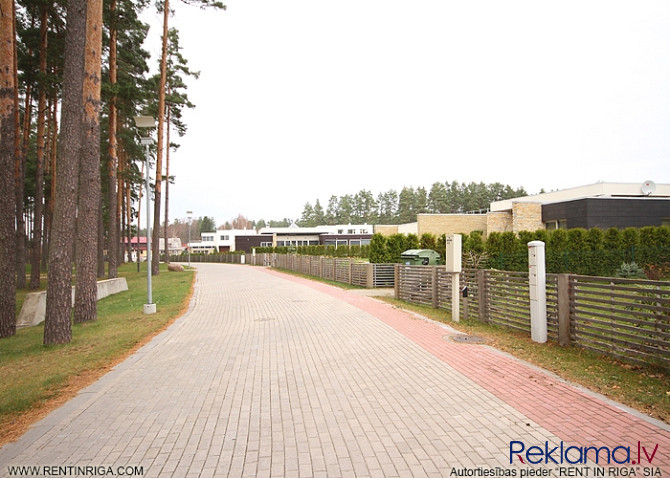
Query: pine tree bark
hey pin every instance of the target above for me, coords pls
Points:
(42, 112)
(167, 186)
(20, 148)
(112, 224)
(85, 308)
(7, 151)
(159, 150)
(57, 323)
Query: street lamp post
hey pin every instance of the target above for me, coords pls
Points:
(190, 215)
(147, 122)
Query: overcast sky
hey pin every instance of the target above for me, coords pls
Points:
(300, 100)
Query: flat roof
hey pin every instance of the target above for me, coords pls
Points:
(601, 189)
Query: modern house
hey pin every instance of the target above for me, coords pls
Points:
(222, 240)
(246, 240)
(602, 205)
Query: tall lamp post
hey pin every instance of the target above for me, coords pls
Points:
(147, 122)
(190, 216)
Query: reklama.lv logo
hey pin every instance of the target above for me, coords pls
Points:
(580, 455)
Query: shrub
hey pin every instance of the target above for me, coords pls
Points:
(630, 270)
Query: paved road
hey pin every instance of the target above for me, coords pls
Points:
(273, 376)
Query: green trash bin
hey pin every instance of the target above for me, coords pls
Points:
(420, 257)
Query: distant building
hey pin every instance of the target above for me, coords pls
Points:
(601, 205)
(246, 240)
(338, 235)
(139, 244)
(222, 240)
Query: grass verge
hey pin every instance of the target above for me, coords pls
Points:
(642, 388)
(35, 379)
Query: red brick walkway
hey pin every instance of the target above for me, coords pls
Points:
(578, 418)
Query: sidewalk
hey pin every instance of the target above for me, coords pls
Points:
(272, 375)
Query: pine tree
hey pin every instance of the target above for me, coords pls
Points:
(57, 326)
(7, 151)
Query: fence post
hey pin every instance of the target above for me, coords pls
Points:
(481, 295)
(433, 279)
(563, 309)
(370, 276)
(351, 267)
(396, 281)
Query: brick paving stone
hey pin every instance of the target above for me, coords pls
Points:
(276, 376)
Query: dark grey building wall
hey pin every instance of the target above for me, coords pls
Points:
(609, 212)
(247, 243)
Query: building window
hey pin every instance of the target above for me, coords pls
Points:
(558, 224)
(224, 238)
(266, 244)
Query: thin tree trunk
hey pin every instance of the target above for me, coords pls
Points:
(139, 214)
(159, 150)
(8, 87)
(167, 186)
(36, 249)
(112, 227)
(101, 243)
(85, 307)
(53, 154)
(57, 323)
(21, 146)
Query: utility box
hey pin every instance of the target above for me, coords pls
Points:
(420, 257)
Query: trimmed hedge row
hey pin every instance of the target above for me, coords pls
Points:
(577, 251)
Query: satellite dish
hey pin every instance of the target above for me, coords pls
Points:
(648, 187)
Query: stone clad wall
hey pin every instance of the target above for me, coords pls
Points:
(438, 224)
(527, 217)
(499, 221)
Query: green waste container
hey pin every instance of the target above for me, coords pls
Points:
(420, 257)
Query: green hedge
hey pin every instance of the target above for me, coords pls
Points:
(577, 251)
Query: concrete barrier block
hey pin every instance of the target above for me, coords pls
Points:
(34, 306)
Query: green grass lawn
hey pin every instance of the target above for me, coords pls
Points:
(32, 375)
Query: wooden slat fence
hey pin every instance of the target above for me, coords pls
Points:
(624, 318)
(628, 319)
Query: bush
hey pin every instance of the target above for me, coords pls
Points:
(630, 270)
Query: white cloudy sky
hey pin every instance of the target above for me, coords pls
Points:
(300, 100)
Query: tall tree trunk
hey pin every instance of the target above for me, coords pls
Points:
(159, 150)
(112, 227)
(42, 112)
(139, 214)
(53, 154)
(167, 186)
(85, 308)
(19, 172)
(101, 242)
(8, 87)
(57, 323)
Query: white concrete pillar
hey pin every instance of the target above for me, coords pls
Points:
(537, 282)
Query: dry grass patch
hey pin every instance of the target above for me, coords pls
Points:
(35, 379)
